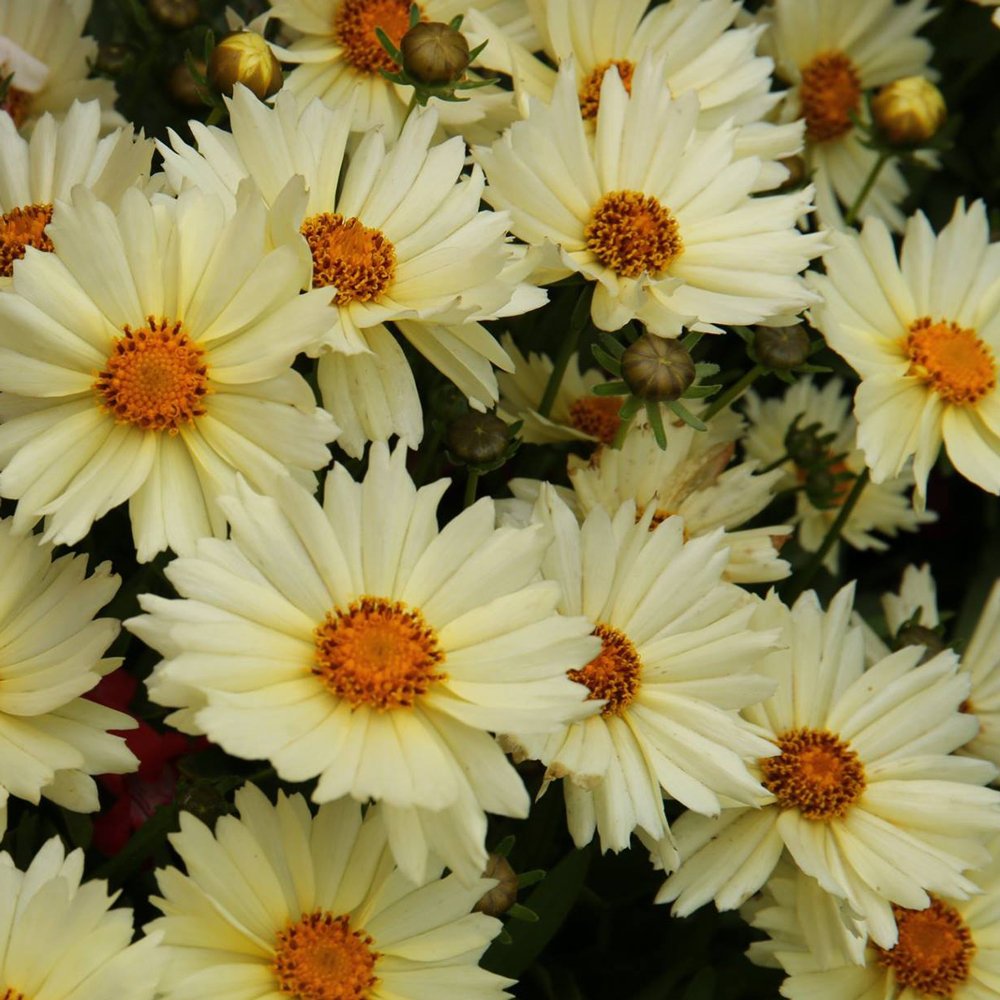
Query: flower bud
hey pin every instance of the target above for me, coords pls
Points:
(806, 446)
(183, 87)
(656, 369)
(244, 57)
(503, 895)
(920, 635)
(909, 111)
(781, 347)
(175, 14)
(434, 53)
(477, 438)
(113, 57)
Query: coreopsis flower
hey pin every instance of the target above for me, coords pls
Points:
(676, 661)
(991, 3)
(53, 739)
(282, 903)
(42, 44)
(147, 359)
(922, 334)
(882, 507)
(60, 155)
(865, 794)
(358, 644)
(340, 59)
(947, 949)
(400, 235)
(61, 939)
(666, 229)
(830, 52)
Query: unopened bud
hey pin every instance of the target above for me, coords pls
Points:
(781, 347)
(434, 52)
(920, 635)
(805, 446)
(477, 438)
(244, 57)
(183, 87)
(112, 57)
(909, 111)
(504, 894)
(656, 369)
(175, 14)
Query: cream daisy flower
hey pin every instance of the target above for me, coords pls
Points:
(674, 667)
(146, 359)
(949, 949)
(60, 155)
(400, 235)
(866, 795)
(281, 903)
(340, 59)
(922, 334)
(655, 212)
(60, 939)
(52, 739)
(991, 3)
(831, 52)
(42, 44)
(882, 507)
(358, 644)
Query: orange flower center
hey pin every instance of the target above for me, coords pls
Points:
(155, 378)
(596, 416)
(15, 103)
(613, 674)
(377, 653)
(830, 92)
(354, 27)
(956, 364)
(21, 228)
(816, 773)
(320, 958)
(934, 950)
(633, 234)
(359, 262)
(590, 92)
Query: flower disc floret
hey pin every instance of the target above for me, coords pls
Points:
(596, 416)
(830, 93)
(956, 364)
(614, 674)
(16, 103)
(590, 89)
(319, 957)
(354, 27)
(21, 228)
(358, 261)
(816, 772)
(633, 234)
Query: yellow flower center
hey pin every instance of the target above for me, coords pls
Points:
(816, 773)
(377, 653)
(590, 91)
(15, 103)
(596, 416)
(21, 228)
(155, 378)
(359, 262)
(830, 92)
(633, 234)
(320, 958)
(12, 994)
(934, 950)
(613, 674)
(354, 27)
(956, 364)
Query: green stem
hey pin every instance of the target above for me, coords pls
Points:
(733, 393)
(852, 212)
(622, 431)
(470, 488)
(559, 368)
(409, 109)
(429, 449)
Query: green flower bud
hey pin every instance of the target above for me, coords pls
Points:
(656, 369)
(477, 438)
(175, 14)
(781, 347)
(434, 53)
(503, 895)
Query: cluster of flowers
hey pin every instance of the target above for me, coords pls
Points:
(152, 333)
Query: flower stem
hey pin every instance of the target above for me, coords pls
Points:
(470, 488)
(578, 321)
(852, 212)
(622, 432)
(732, 393)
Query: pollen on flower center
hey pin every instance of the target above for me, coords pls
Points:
(155, 377)
(319, 957)
(590, 90)
(359, 262)
(378, 653)
(816, 773)
(596, 416)
(613, 674)
(354, 27)
(830, 91)
(632, 234)
(21, 228)
(934, 950)
(956, 364)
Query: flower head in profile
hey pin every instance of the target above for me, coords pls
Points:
(866, 794)
(655, 211)
(358, 644)
(147, 359)
(278, 902)
(922, 332)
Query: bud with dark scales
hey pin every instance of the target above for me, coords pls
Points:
(909, 111)
(914, 634)
(177, 14)
(434, 53)
(503, 895)
(113, 57)
(781, 347)
(478, 438)
(244, 57)
(183, 87)
(656, 369)
(806, 447)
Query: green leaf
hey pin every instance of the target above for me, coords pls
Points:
(687, 416)
(605, 360)
(611, 389)
(656, 423)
